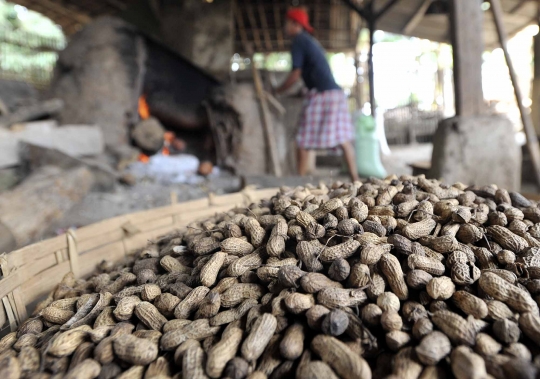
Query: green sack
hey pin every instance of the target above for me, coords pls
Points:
(368, 158)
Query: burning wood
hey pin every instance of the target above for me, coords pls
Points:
(144, 109)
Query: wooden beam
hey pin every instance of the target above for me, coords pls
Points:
(466, 32)
(535, 106)
(241, 27)
(371, 72)
(355, 7)
(358, 86)
(386, 7)
(268, 126)
(254, 27)
(532, 138)
(120, 5)
(264, 25)
(417, 17)
(279, 26)
(517, 7)
(316, 19)
(76, 15)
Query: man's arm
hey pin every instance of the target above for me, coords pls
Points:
(293, 77)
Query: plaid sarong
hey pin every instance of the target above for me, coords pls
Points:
(325, 122)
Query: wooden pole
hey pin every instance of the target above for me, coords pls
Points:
(535, 106)
(532, 139)
(416, 18)
(357, 85)
(357, 64)
(371, 73)
(268, 126)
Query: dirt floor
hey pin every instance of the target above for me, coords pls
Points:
(403, 155)
(144, 195)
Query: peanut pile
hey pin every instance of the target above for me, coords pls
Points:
(396, 278)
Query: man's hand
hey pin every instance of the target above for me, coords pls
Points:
(293, 77)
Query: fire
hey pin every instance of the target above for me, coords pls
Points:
(144, 109)
(168, 138)
(143, 158)
(144, 113)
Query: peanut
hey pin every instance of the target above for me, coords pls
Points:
(338, 356)
(259, 337)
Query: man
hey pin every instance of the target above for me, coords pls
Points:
(325, 122)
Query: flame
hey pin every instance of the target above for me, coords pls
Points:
(169, 137)
(144, 109)
(143, 158)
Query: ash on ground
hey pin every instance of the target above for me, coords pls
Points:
(145, 194)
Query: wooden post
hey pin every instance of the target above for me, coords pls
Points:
(417, 17)
(532, 139)
(268, 126)
(466, 32)
(357, 85)
(535, 107)
(371, 73)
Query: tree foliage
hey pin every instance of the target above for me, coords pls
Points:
(29, 44)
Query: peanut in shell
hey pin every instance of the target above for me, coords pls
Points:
(339, 270)
(313, 282)
(419, 229)
(336, 354)
(455, 327)
(223, 351)
(341, 297)
(190, 302)
(150, 315)
(470, 304)
(427, 264)
(391, 269)
(501, 290)
(259, 337)
(292, 344)
(441, 288)
(343, 250)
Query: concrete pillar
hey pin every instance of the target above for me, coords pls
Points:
(477, 150)
(473, 148)
(466, 31)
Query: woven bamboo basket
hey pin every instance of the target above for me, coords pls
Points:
(28, 274)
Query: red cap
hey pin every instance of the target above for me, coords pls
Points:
(300, 16)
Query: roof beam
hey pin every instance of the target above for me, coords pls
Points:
(279, 27)
(518, 6)
(60, 9)
(355, 7)
(386, 7)
(242, 28)
(367, 12)
(253, 25)
(117, 4)
(417, 17)
(264, 25)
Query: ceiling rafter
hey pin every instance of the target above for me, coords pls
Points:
(417, 17)
(72, 15)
